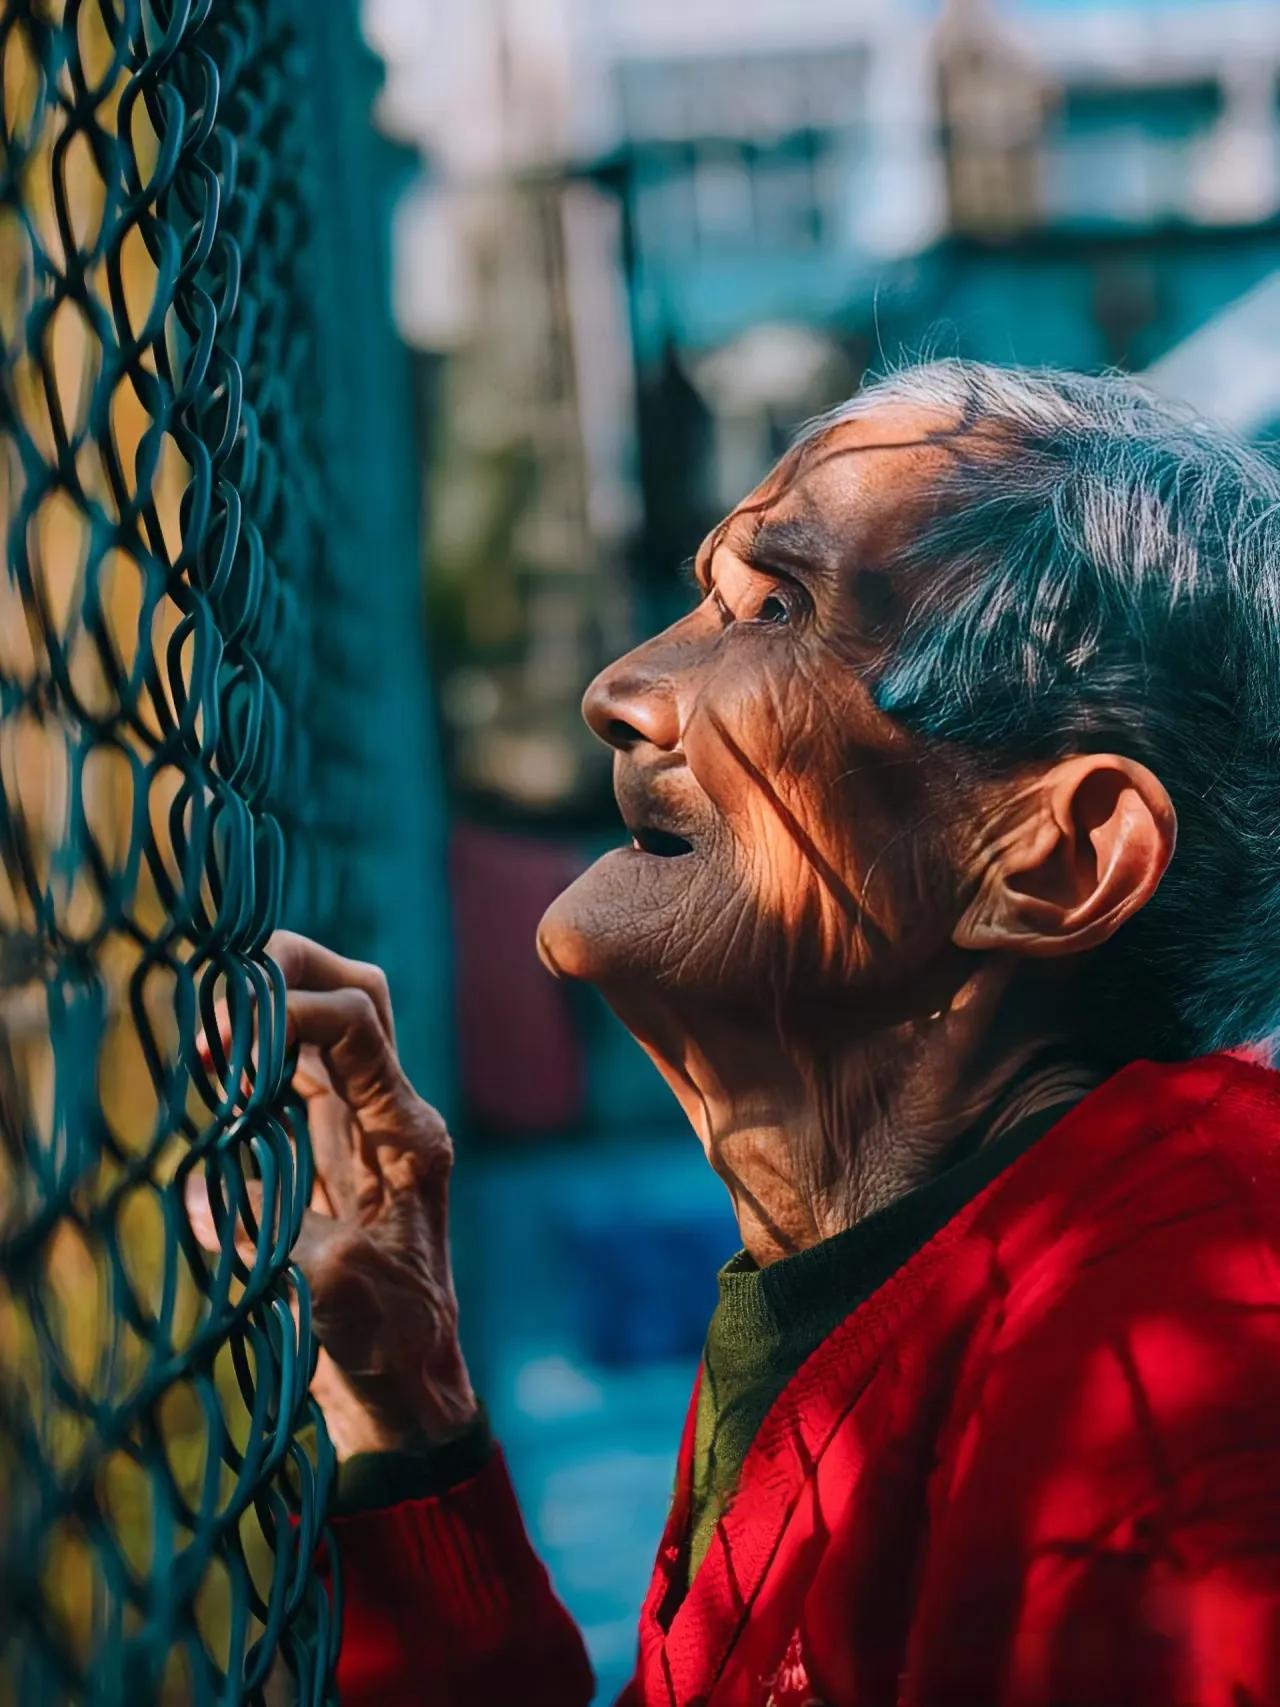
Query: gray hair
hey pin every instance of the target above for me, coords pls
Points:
(1102, 573)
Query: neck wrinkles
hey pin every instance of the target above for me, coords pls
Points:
(813, 1133)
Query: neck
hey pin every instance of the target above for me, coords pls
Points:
(813, 1126)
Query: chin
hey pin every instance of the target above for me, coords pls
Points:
(563, 948)
(607, 926)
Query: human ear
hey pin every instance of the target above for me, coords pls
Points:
(1077, 852)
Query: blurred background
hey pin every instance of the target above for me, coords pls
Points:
(512, 354)
(634, 246)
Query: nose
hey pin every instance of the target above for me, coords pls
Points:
(633, 702)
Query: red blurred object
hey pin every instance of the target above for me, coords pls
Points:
(522, 1067)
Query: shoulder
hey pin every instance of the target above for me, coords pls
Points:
(1168, 1175)
(1132, 1339)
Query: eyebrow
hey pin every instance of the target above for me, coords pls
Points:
(793, 547)
(791, 544)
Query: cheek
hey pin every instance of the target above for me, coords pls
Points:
(822, 805)
(810, 876)
(771, 763)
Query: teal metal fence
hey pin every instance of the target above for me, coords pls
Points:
(181, 634)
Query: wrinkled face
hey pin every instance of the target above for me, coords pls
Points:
(780, 831)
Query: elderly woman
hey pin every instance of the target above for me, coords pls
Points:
(952, 869)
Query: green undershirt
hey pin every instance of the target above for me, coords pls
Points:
(371, 1481)
(769, 1320)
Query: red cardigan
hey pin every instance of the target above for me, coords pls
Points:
(1039, 1467)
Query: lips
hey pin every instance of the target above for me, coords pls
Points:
(663, 844)
(653, 819)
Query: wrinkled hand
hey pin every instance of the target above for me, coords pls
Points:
(374, 1246)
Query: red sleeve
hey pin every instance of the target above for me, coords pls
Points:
(1108, 1529)
(444, 1600)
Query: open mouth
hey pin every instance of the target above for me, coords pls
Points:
(660, 842)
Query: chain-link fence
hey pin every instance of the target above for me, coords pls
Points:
(169, 527)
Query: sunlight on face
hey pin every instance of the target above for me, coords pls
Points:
(777, 819)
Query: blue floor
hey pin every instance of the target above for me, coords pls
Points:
(587, 1274)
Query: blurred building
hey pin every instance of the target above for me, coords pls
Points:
(651, 239)
(647, 242)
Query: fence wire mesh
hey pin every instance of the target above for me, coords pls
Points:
(162, 1475)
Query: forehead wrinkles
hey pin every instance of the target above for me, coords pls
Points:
(870, 478)
(879, 486)
(756, 506)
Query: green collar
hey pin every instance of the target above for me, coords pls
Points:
(769, 1320)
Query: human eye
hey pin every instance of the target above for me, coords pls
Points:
(775, 609)
(780, 603)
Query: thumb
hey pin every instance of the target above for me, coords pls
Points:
(319, 1237)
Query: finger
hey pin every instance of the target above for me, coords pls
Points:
(344, 1026)
(240, 1217)
(328, 1123)
(202, 1220)
(318, 1236)
(320, 1240)
(308, 965)
(221, 1029)
(341, 1175)
(396, 1140)
(217, 1051)
(346, 1065)
(311, 1078)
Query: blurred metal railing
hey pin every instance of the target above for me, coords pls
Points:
(163, 1475)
